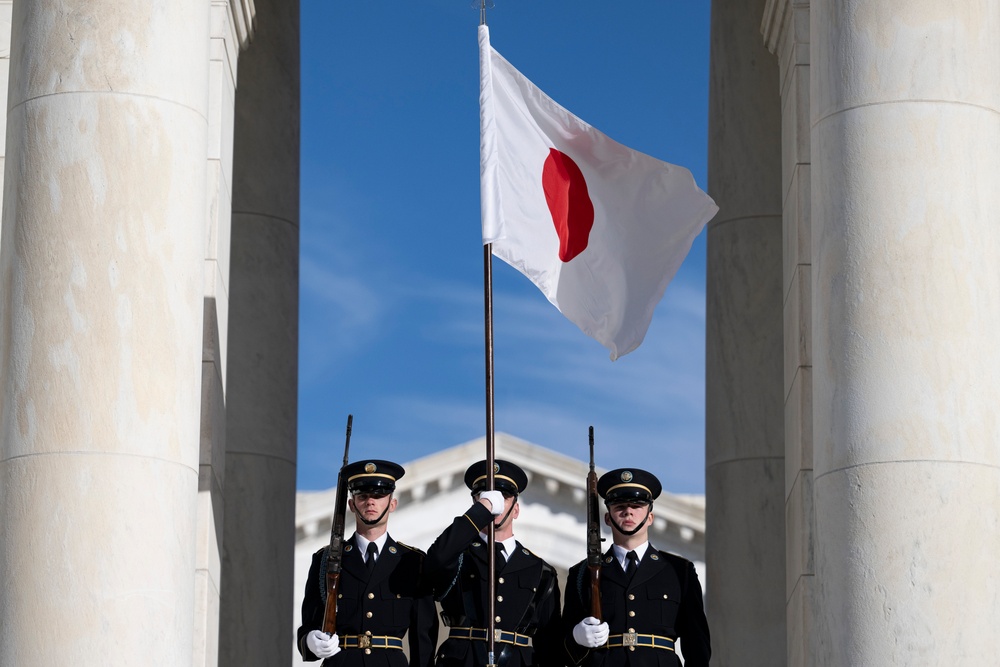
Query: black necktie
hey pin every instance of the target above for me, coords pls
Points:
(633, 563)
(500, 560)
(372, 555)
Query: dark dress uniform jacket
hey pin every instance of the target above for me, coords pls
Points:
(390, 603)
(527, 597)
(665, 599)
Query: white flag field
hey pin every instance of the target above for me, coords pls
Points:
(599, 228)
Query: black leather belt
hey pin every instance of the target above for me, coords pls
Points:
(368, 641)
(480, 634)
(632, 639)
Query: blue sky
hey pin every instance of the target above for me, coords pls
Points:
(391, 322)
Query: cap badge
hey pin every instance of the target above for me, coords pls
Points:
(370, 468)
(626, 476)
(496, 468)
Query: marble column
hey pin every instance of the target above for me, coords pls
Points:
(744, 542)
(259, 532)
(100, 330)
(231, 30)
(786, 33)
(6, 7)
(906, 366)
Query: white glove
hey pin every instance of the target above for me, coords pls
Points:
(590, 633)
(495, 499)
(323, 645)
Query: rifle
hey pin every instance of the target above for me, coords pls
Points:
(335, 552)
(593, 536)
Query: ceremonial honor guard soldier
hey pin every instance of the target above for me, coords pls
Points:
(526, 622)
(650, 599)
(379, 598)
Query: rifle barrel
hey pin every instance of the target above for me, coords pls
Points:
(593, 536)
(334, 553)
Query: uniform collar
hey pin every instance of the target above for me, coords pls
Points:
(621, 553)
(362, 542)
(509, 545)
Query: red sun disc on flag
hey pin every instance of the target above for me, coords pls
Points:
(569, 203)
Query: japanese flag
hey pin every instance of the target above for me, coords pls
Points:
(599, 228)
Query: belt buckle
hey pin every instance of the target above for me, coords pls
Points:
(629, 638)
(497, 634)
(364, 641)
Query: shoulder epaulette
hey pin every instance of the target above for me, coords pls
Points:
(411, 548)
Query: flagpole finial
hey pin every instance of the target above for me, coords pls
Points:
(483, 5)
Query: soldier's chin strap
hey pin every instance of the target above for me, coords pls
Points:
(638, 526)
(505, 516)
(504, 519)
(374, 521)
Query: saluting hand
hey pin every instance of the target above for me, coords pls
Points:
(494, 499)
(590, 633)
(323, 645)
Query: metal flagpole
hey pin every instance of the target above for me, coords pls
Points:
(490, 453)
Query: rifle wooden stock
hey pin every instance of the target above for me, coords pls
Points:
(335, 552)
(593, 536)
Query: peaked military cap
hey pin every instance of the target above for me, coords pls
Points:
(372, 476)
(628, 484)
(507, 477)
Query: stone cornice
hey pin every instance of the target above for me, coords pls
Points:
(244, 20)
(774, 22)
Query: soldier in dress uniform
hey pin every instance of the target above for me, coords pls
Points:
(649, 598)
(527, 591)
(380, 597)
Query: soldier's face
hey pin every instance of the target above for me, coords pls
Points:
(628, 515)
(371, 505)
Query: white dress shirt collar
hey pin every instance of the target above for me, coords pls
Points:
(362, 543)
(621, 553)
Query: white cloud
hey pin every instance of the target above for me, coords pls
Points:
(552, 381)
(340, 312)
